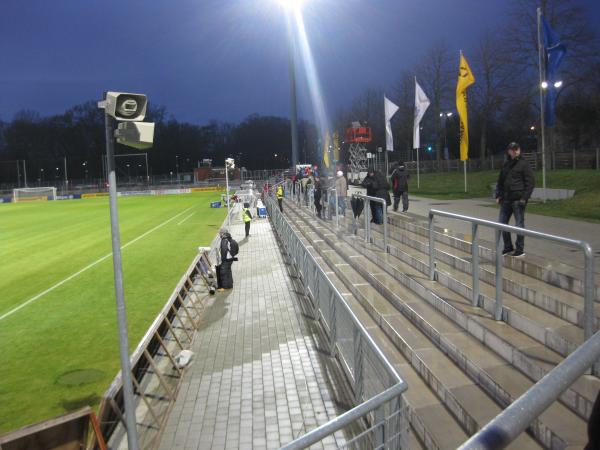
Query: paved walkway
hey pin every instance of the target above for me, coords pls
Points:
(257, 380)
(485, 208)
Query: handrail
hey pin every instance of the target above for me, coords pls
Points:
(337, 218)
(345, 419)
(511, 422)
(588, 310)
(383, 202)
(363, 336)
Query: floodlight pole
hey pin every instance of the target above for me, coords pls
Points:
(130, 421)
(227, 194)
(292, 74)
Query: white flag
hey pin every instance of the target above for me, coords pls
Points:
(421, 105)
(390, 110)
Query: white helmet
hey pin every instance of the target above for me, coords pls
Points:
(340, 173)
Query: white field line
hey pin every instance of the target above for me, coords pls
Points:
(89, 266)
(179, 223)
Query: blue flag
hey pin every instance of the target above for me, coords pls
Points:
(554, 51)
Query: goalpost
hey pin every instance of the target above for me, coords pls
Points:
(36, 193)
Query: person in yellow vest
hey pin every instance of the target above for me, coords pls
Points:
(279, 193)
(247, 217)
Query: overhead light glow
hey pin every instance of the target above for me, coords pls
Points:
(544, 85)
(557, 84)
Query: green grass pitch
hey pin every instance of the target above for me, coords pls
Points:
(73, 326)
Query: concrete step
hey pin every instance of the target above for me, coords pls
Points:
(558, 301)
(555, 334)
(504, 395)
(441, 374)
(556, 273)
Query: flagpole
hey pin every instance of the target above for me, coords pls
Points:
(418, 179)
(465, 169)
(542, 119)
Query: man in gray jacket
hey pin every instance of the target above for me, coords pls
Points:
(341, 187)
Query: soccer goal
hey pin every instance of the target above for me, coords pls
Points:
(36, 193)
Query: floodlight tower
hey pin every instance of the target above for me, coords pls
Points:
(129, 110)
(358, 136)
(229, 164)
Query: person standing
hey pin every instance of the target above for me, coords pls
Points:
(228, 248)
(247, 218)
(399, 180)
(341, 187)
(317, 196)
(279, 193)
(377, 186)
(514, 188)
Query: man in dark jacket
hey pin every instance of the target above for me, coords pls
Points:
(377, 186)
(224, 274)
(399, 180)
(515, 185)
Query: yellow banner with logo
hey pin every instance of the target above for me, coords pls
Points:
(465, 79)
(326, 149)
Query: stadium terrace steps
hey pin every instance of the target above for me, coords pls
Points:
(442, 335)
(432, 376)
(561, 302)
(558, 336)
(551, 273)
(430, 420)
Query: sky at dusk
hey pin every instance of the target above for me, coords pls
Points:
(221, 59)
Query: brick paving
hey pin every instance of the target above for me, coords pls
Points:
(257, 380)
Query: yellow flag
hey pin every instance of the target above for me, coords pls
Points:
(465, 79)
(336, 146)
(326, 149)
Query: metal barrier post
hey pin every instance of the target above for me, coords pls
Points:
(366, 209)
(333, 324)
(431, 249)
(475, 263)
(358, 367)
(337, 209)
(588, 308)
(385, 234)
(499, 264)
(379, 441)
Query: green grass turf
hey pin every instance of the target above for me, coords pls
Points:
(73, 327)
(585, 204)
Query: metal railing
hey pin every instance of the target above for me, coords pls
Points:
(367, 211)
(370, 373)
(588, 309)
(156, 356)
(334, 203)
(516, 418)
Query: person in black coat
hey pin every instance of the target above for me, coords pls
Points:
(399, 180)
(377, 186)
(317, 196)
(224, 274)
(515, 186)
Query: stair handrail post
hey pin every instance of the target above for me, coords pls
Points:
(431, 247)
(475, 262)
(499, 264)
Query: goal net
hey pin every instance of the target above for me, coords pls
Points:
(37, 193)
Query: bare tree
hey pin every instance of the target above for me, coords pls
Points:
(494, 73)
(438, 75)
